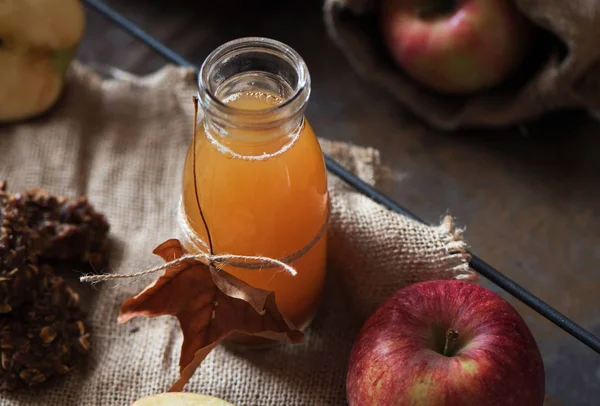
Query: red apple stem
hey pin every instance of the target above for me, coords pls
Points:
(436, 8)
(451, 339)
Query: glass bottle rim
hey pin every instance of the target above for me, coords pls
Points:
(295, 102)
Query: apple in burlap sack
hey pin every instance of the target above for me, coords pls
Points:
(456, 46)
(38, 39)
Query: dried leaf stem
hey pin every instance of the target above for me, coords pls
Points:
(194, 135)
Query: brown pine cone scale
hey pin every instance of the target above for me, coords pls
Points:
(66, 229)
(43, 338)
(42, 329)
(17, 258)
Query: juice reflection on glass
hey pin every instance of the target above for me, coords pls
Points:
(260, 173)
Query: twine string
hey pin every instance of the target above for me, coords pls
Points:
(199, 244)
(216, 259)
(239, 261)
(253, 262)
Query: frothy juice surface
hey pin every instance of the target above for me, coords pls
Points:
(271, 207)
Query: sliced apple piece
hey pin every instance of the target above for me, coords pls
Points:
(27, 86)
(181, 399)
(50, 24)
(38, 40)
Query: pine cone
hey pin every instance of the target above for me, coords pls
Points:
(17, 258)
(42, 338)
(42, 330)
(66, 229)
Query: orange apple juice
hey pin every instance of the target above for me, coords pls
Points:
(273, 207)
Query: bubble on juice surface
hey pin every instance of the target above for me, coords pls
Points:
(243, 100)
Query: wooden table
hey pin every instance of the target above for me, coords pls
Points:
(530, 200)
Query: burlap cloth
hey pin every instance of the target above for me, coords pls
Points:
(562, 71)
(122, 143)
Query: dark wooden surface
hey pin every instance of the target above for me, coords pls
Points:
(530, 201)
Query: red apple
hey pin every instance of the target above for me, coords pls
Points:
(445, 343)
(456, 46)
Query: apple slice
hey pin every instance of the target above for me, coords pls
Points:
(28, 85)
(50, 24)
(180, 399)
(38, 39)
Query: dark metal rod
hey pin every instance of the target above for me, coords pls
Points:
(133, 29)
(536, 304)
(476, 263)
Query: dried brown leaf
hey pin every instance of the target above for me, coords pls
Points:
(210, 305)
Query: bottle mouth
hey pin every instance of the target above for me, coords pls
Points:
(251, 64)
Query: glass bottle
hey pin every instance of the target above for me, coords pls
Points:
(260, 175)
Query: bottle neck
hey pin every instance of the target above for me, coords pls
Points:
(253, 90)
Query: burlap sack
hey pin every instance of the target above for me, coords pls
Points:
(375, 252)
(553, 78)
(122, 142)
